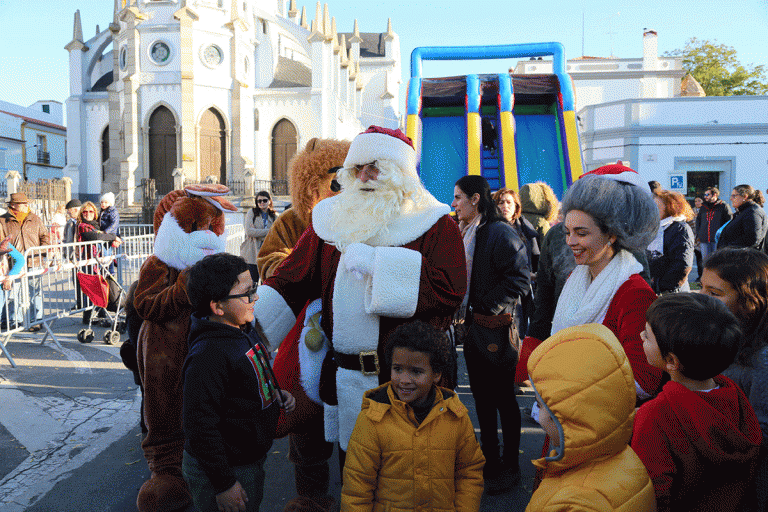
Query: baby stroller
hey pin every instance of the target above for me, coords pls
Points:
(107, 295)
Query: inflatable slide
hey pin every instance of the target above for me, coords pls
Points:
(510, 129)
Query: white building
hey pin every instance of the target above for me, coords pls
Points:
(218, 88)
(32, 140)
(635, 110)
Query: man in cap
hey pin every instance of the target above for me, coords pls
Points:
(381, 253)
(26, 231)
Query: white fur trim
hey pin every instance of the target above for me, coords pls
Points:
(331, 423)
(354, 329)
(394, 287)
(179, 249)
(274, 315)
(350, 387)
(310, 362)
(367, 147)
(408, 226)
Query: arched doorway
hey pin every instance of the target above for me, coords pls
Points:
(213, 155)
(104, 153)
(284, 144)
(162, 149)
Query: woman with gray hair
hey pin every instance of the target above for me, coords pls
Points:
(609, 212)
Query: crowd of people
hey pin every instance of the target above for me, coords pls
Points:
(646, 390)
(23, 229)
(652, 397)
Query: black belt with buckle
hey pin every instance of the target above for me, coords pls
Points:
(365, 362)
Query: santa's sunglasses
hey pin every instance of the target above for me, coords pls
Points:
(335, 186)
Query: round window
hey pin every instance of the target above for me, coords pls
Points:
(160, 52)
(123, 57)
(212, 55)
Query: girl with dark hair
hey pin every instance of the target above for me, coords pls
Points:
(258, 220)
(497, 277)
(670, 254)
(739, 278)
(748, 226)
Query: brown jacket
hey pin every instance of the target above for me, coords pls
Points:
(31, 233)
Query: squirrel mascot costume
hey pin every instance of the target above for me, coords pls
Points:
(312, 177)
(189, 224)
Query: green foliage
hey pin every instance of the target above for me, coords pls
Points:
(717, 68)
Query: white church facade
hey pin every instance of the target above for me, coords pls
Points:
(226, 90)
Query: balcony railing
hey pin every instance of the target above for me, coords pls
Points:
(43, 157)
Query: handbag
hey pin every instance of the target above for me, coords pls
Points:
(495, 338)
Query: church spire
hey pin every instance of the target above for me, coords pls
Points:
(77, 36)
(303, 22)
(77, 32)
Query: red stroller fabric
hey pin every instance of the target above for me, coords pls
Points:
(95, 286)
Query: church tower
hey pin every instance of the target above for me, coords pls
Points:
(218, 90)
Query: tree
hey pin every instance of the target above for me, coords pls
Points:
(717, 68)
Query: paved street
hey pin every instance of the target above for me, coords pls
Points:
(70, 440)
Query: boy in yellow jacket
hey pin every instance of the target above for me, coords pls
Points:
(586, 394)
(413, 444)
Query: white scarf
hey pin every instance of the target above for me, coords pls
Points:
(584, 301)
(468, 231)
(656, 247)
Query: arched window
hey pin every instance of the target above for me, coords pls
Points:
(104, 153)
(162, 149)
(284, 142)
(213, 155)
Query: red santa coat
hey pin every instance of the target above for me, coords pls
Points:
(419, 272)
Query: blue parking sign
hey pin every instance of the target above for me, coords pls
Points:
(677, 182)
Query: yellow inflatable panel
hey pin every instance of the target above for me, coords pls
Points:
(572, 139)
(509, 154)
(474, 141)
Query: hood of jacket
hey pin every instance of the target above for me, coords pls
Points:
(719, 423)
(583, 376)
(539, 199)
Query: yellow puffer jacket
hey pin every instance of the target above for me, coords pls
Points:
(583, 377)
(393, 465)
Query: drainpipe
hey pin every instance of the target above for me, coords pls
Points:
(24, 151)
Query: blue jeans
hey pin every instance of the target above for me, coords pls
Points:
(707, 248)
(16, 311)
(250, 476)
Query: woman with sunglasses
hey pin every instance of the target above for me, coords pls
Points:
(88, 231)
(258, 220)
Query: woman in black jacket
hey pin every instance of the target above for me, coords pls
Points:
(670, 254)
(748, 226)
(498, 276)
(508, 201)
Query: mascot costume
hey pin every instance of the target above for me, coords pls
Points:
(378, 254)
(312, 175)
(189, 224)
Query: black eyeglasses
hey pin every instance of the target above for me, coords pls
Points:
(262, 201)
(250, 294)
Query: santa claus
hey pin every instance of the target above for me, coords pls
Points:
(381, 253)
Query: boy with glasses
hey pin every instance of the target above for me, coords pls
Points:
(231, 399)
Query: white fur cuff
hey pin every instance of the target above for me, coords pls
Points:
(274, 315)
(394, 288)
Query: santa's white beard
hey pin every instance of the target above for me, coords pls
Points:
(360, 214)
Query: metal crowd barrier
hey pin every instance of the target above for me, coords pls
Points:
(49, 283)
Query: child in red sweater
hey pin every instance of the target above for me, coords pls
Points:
(699, 438)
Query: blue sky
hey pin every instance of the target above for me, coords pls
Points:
(33, 33)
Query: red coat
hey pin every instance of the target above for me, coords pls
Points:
(700, 448)
(626, 319)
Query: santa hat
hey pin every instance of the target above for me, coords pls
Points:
(619, 172)
(377, 143)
